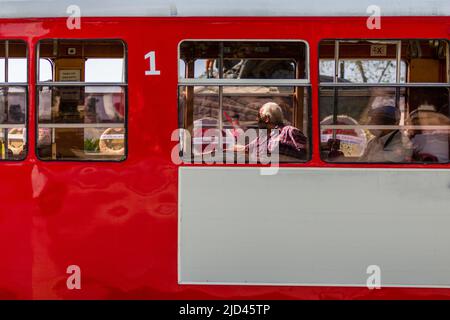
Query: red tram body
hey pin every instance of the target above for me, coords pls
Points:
(119, 220)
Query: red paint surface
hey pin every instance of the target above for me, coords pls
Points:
(118, 221)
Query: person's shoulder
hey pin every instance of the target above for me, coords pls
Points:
(289, 128)
(289, 133)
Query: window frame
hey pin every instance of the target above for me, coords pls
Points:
(220, 83)
(51, 84)
(397, 85)
(25, 85)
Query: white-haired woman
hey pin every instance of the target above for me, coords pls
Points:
(275, 136)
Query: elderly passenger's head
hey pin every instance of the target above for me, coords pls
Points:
(270, 116)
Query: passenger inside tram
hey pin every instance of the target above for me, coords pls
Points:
(388, 144)
(288, 141)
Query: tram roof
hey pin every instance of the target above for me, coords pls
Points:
(217, 8)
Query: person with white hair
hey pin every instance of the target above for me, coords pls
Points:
(288, 141)
(271, 114)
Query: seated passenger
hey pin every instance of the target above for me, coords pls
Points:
(429, 145)
(388, 145)
(290, 142)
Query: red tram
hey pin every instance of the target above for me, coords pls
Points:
(92, 95)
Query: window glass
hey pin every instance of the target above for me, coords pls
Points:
(360, 61)
(403, 121)
(45, 70)
(198, 112)
(82, 122)
(104, 70)
(243, 60)
(17, 70)
(362, 71)
(239, 118)
(240, 123)
(2, 69)
(13, 100)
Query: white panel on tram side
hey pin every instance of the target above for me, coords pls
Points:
(314, 226)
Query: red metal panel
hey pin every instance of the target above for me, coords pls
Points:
(118, 221)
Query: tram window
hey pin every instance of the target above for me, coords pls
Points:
(383, 114)
(82, 100)
(223, 119)
(13, 100)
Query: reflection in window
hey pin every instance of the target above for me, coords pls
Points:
(397, 123)
(242, 60)
(82, 122)
(13, 100)
(362, 71)
(239, 117)
(90, 104)
(343, 111)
